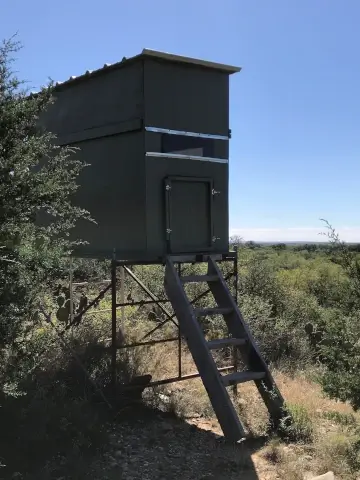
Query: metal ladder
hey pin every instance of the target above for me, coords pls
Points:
(215, 383)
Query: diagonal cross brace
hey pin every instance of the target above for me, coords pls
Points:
(151, 295)
(198, 297)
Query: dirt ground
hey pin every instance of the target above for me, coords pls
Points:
(158, 446)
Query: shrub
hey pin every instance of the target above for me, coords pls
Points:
(37, 178)
(340, 352)
(301, 429)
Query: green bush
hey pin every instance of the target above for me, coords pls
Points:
(38, 180)
(301, 429)
(280, 340)
(257, 278)
(340, 351)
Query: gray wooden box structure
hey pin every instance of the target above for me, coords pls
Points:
(155, 130)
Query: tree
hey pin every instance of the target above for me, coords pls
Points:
(340, 347)
(36, 176)
(251, 244)
(236, 240)
(279, 246)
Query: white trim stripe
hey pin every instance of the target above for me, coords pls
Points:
(186, 157)
(187, 134)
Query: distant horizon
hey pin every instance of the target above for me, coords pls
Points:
(287, 242)
(295, 234)
(296, 242)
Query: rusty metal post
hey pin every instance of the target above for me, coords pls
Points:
(113, 326)
(236, 297)
(122, 294)
(71, 288)
(236, 274)
(179, 337)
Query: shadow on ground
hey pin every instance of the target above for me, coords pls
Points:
(139, 443)
(59, 429)
(153, 445)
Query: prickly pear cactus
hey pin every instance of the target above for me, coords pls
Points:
(82, 302)
(66, 292)
(63, 313)
(60, 300)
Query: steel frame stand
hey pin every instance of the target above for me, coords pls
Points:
(115, 346)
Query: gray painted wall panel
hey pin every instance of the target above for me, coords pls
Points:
(113, 190)
(183, 97)
(112, 97)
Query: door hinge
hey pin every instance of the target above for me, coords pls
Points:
(168, 231)
(215, 239)
(168, 187)
(215, 192)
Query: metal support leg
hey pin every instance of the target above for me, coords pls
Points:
(71, 288)
(113, 326)
(179, 337)
(122, 294)
(236, 295)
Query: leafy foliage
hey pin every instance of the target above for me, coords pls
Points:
(301, 429)
(37, 179)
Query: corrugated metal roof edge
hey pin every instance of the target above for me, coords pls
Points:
(194, 61)
(146, 53)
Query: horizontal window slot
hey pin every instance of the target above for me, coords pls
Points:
(181, 144)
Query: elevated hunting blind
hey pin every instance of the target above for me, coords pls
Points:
(155, 130)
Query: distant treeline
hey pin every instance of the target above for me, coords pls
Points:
(296, 247)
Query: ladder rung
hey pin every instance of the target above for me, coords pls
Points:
(199, 278)
(202, 312)
(226, 342)
(241, 377)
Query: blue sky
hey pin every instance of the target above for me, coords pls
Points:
(295, 106)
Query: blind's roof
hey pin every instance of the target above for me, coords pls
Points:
(193, 61)
(147, 53)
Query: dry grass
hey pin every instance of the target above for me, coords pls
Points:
(325, 430)
(300, 390)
